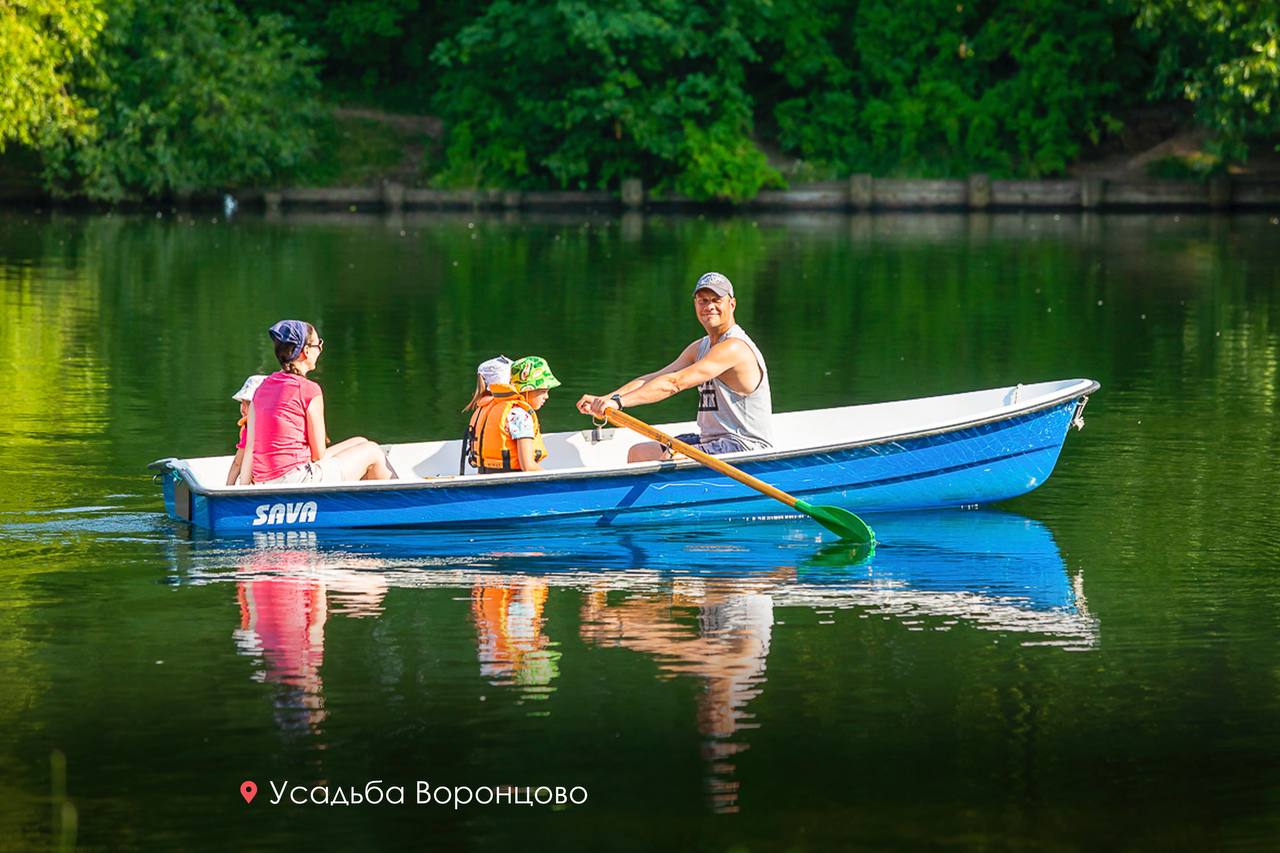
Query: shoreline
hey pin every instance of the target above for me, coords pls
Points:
(860, 193)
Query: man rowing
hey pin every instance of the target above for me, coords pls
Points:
(735, 408)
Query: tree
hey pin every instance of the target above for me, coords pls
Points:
(572, 94)
(944, 88)
(1224, 57)
(377, 51)
(41, 43)
(190, 95)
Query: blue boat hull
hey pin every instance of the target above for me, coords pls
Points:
(978, 464)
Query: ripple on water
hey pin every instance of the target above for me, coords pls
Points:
(105, 519)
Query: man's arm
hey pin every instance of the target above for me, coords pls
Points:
(586, 404)
(721, 357)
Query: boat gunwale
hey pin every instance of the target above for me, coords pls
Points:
(628, 470)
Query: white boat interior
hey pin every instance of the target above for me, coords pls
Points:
(605, 449)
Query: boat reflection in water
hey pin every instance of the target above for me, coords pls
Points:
(701, 602)
(283, 609)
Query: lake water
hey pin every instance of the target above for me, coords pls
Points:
(1095, 665)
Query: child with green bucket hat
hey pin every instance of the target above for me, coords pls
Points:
(508, 437)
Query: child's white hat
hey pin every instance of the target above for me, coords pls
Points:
(495, 371)
(245, 394)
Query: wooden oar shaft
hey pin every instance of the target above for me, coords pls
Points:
(621, 419)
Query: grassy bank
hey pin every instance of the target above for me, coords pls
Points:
(361, 146)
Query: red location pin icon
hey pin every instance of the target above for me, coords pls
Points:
(248, 790)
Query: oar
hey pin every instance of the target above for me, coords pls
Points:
(843, 523)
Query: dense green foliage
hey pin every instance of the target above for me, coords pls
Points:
(688, 95)
(1224, 57)
(377, 50)
(584, 95)
(40, 43)
(190, 95)
(942, 88)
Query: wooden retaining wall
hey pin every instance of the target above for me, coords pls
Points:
(858, 193)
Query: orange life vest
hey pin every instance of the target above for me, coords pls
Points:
(492, 447)
(469, 437)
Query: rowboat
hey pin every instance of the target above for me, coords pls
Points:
(965, 449)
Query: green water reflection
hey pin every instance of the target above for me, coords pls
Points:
(1095, 666)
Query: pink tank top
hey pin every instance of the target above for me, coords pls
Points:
(280, 425)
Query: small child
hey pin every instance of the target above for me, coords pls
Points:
(495, 371)
(508, 437)
(245, 397)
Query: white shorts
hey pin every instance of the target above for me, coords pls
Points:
(324, 471)
(718, 445)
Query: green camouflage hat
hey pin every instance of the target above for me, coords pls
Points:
(532, 373)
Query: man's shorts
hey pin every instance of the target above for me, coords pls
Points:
(715, 446)
(324, 471)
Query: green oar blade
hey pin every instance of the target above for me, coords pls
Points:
(839, 521)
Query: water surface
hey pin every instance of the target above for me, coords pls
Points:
(1094, 665)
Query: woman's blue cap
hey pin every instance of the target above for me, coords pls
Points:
(290, 332)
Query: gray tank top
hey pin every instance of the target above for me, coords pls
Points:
(723, 411)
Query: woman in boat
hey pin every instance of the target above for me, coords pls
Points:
(286, 433)
(508, 437)
(495, 371)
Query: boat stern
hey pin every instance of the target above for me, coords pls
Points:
(180, 503)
